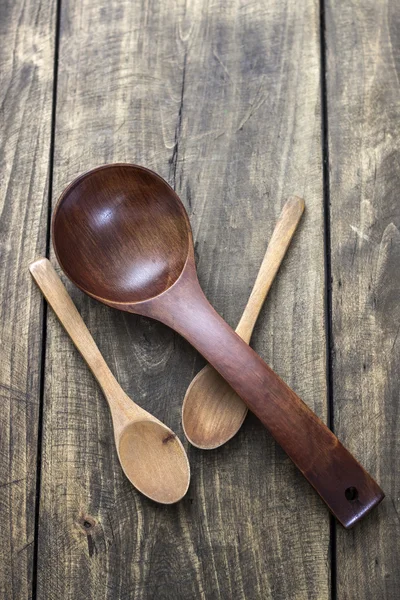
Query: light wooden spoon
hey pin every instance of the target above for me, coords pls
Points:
(212, 412)
(151, 456)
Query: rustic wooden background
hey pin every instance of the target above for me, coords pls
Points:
(238, 104)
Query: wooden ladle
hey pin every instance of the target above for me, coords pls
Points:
(152, 457)
(123, 236)
(212, 413)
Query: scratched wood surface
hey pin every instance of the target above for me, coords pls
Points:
(26, 81)
(363, 44)
(224, 102)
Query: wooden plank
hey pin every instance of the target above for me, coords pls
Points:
(363, 42)
(26, 86)
(225, 103)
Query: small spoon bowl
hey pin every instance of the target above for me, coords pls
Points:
(103, 232)
(160, 465)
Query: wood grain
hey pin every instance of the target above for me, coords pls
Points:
(26, 79)
(363, 43)
(224, 102)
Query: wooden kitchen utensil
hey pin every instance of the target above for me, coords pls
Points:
(212, 413)
(122, 235)
(152, 457)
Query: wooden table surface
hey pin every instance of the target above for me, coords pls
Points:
(238, 104)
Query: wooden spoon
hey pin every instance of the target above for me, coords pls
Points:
(151, 456)
(123, 236)
(212, 413)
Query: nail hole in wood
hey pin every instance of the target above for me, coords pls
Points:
(86, 523)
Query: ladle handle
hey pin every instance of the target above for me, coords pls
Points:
(343, 484)
(277, 247)
(57, 296)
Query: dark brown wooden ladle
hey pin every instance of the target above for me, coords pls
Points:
(122, 235)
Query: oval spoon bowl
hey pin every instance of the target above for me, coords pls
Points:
(159, 467)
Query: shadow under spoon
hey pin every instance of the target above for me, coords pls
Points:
(212, 412)
(151, 456)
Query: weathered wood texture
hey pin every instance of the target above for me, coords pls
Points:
(26, 72)
(363, 44)
(224, 101)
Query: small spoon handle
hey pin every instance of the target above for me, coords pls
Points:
(57, 296)
(277, 247)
